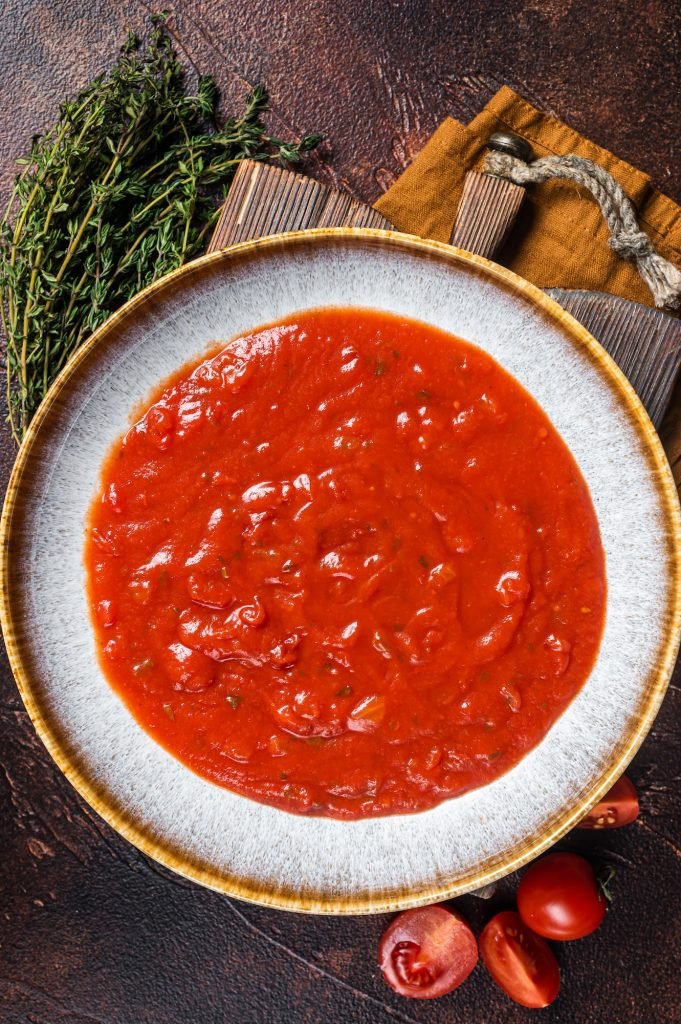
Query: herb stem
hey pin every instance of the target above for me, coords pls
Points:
(37, 262)
(73, 245)
(124, 187)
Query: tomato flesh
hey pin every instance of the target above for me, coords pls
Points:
(559, 898)
(520, 961)
(427, 952)
(618, 807)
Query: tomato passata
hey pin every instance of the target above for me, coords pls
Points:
(520, 961)
(427, 952)
(345, 566)
(559, 898)
(618, 807)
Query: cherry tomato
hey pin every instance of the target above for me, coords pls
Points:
(519, 961)
(559, 898)
(618, 807)
(427, 952)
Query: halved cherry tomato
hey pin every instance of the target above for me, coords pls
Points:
(559, 898)
(618, 807)
(427, 952)
(519, 961)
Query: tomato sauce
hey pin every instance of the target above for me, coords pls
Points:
(345, 566)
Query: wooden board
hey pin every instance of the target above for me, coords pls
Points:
(645, 343)
(266, 200)
(487, 210)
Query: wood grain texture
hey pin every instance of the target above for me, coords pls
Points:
(266, 200)
(94, 933)
(487, 211)
(645, 343)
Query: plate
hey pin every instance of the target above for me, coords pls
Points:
(236, 845)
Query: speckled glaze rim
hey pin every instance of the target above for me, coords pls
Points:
(634, 731)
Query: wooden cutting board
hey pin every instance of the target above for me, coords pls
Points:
(646, 344)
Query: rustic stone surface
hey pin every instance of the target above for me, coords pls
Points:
(93, 932)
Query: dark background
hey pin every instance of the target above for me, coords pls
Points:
(91, 931)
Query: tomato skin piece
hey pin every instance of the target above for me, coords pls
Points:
(559, 898)
(427, 952)
(520, 961)
(618, 807)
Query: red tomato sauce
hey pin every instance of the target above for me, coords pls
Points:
(346, 566)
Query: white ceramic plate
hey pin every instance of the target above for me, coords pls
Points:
(227, 841)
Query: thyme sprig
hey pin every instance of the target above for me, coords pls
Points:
(123, 188)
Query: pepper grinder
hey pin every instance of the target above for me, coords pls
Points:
(489, 204)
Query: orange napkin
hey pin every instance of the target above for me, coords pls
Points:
(560, 239)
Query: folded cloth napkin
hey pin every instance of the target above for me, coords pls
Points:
(560, 239)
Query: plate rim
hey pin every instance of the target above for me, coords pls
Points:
(532, 846)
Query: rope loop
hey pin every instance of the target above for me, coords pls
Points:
(626, 238)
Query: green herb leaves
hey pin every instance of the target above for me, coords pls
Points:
(122, 189)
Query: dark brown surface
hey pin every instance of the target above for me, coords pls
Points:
(91, 930)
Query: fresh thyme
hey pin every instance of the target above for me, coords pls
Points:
(122, 189)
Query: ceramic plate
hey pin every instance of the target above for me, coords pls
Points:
(227, 841)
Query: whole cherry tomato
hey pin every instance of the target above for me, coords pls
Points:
(618, 807)
(520, 962)
(427, 952)
(559, 898)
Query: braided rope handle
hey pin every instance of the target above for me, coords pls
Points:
(626, 238)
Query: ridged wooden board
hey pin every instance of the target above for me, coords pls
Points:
(645, 343)
(487, 210)
(266, 200)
